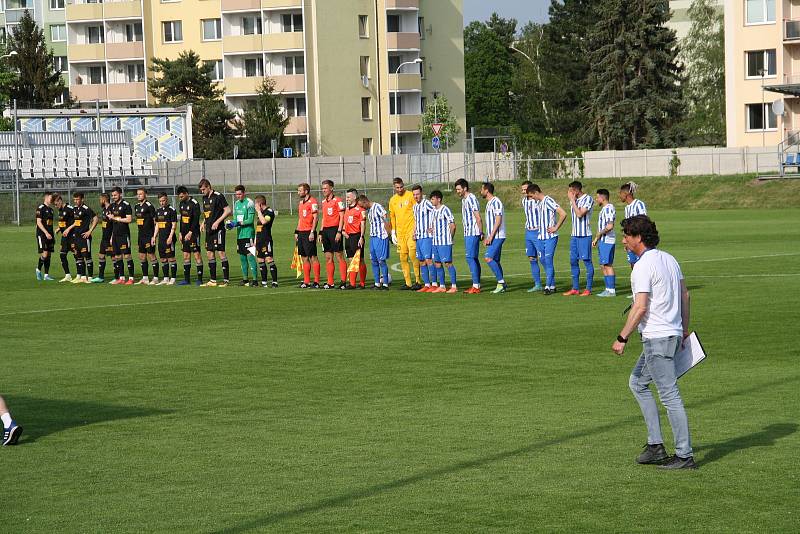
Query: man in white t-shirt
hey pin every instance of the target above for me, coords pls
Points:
(661, 312)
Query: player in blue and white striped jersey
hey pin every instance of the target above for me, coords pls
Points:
(633, 207)
(495, 234)
(605, 241)
(423, 236)
(580, 244)
(444, 227)
(532, 211)
(379, 230)
(548, 234)
(471, 217)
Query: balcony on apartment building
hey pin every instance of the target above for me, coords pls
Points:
(254, 5)
(79, 10)
(402, 30)
(252, 31)
(789, 85)
(249, 85)
(297, 126)
(402, 4)
(124, 40)
(405, 123)
(244, 74)
(15, 9)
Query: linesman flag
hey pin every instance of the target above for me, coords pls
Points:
(297, 264)
(355, 263)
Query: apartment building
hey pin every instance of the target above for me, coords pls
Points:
(762, 68)
(353, 76)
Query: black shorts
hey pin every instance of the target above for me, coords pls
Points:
(264, 247)
(243, 244)
(82, 247)
(145, 246)
(121, 245)
(166, 251)
(351, 245)
(329, 243)
(215, 239)
(66, 244)
(306, 248)
(44, 244)
(192, 245)
(105, 246)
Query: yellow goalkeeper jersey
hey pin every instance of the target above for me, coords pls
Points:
(401, 213)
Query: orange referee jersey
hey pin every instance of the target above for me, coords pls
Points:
(352, 219)
(330, 212)
(306, 210)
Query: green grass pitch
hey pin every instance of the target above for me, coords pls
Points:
(246, 410)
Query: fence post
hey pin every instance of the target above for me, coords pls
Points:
(408, 168)
(291, 204)
(274, 180)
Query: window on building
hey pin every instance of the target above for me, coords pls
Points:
(56, 4)
(134, 72)
(292, 23)
(759, 11)
(366, 144)
(423, 101)
(252, 25)
(60, 100)
(366, 108)
(97, 75)
(422, 68)
(393, 23)
(94, 34)
(294, 65)
(212, 29)
(58, 32)
(759, 61)
(133, 32)
(363, 26)
(173, 31)
(364, 66)
(394, 63)
(253, 67)
(756, 114)
(216, 74)
(395, 104)
(296, 107)
(421, 27)
(60, 63)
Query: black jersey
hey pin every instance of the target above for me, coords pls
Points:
(213, 206)
(106, 224)
(83, 216)
(190, 216)
(165, 220)
(145, 218)
(45, 213)
(65, 217)
(121, 209)
(264, 231)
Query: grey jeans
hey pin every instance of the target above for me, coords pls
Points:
(657, 365)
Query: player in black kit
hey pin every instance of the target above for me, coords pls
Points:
(145, 214)
(105, 239)
(265, 217)
(83, 224)
(65, 218)
(45, 240)
(166, 221)
(121, 215)
(215, 209)
(189, 235)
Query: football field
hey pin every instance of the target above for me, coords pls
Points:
(186, 409)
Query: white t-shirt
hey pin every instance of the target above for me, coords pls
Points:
(659, 274)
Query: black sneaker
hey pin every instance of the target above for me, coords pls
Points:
(349, 287)
(315, 285)
(374, 287)
(405, 288)
(676, 462)
(264, 284)
(548, 291)
(385, 287)
(342, 286)
(416, 287)
(244, 283)
(274, 284)
(328, 286)
(653, 454)
(304, 286)
(253, 284)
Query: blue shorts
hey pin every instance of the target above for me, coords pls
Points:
(546, 247)
(494, 250)
(472, 246)
(532, 248)
(424, 248)
(443, 253)
(580, 248)
(605, 252)
(379, 248)
(632, 258)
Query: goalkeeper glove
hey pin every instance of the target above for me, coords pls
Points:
(230, 225)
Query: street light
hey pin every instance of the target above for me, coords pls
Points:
(396, 109)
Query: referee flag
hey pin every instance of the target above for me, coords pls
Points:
(297, 264)
(355, 263)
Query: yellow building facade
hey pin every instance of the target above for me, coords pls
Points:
(353, 75)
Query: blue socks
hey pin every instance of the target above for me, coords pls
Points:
(423, 271)
(474, 270)
(376, 271)
(452, 271)
(384, 272)
(537, 275)
(440, 275)
(497, 270)
(589, 274)
(611, 282)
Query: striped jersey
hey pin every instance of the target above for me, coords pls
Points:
(532, 213)
(377, 220)
(547, 215)
(582, 226)
(423, 219)
(494, 208)
(636, 207)
(442, 219)
(607, 215)
(469, 205)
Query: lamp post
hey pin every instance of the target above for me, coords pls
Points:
(396, 109)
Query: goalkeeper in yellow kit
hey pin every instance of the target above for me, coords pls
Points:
(401, 212)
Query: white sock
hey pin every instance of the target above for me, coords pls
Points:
(476, 286)
(6, 417)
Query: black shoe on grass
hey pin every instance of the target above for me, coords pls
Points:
(676, 462)
(653, 454)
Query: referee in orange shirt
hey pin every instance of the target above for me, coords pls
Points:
(306, 235)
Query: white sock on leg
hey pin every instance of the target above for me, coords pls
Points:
(6, 417)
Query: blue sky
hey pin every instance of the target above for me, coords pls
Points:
(522, 10)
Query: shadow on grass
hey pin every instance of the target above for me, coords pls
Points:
(273, 518)
(764, 438)
(42, 417)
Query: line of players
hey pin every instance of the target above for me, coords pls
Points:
(160, 230)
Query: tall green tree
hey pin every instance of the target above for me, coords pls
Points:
(262, 121)
(439, 110)
(212, 129)
(185, 80)
(703, 54)
(634, 78)
(38, 83)
(530, 110)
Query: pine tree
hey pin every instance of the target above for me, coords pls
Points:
(439, 110)
(262, 122)
(185, 80)
(212, 128)
(38, 83)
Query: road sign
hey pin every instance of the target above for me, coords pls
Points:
(287, 152)
(436, 143)
(274, 145)
(437, 128)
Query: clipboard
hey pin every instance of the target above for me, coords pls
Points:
(690, 355)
